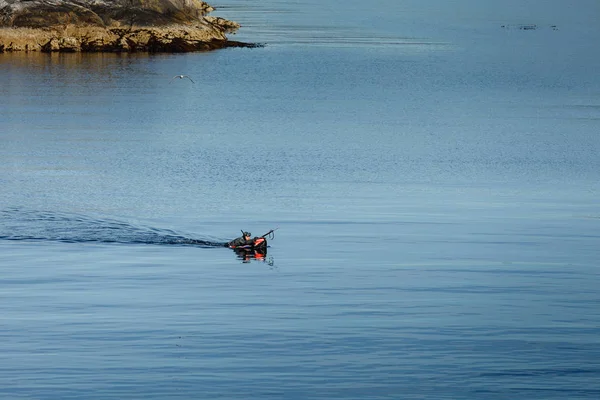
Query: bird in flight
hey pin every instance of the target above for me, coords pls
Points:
(181, 77)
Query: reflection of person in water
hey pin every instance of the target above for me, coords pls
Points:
(248, 254)
(243, 240)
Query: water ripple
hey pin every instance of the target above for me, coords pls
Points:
(28, 225)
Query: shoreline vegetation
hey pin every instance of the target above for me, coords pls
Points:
(152, 26)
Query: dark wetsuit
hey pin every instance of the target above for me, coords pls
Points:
(239, 242)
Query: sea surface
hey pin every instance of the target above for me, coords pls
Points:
(432, 167)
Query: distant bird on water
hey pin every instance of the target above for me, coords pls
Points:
(181, 77)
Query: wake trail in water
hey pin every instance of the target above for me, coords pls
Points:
(24, 225)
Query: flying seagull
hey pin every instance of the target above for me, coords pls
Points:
(181, 77)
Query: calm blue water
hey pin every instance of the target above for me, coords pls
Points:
(434, 177)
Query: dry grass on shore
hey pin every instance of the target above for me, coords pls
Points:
(153, 25)
(21, 36)
(34, 39)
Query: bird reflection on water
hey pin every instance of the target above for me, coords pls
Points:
(181, 77)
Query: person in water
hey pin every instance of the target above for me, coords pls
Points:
(243, 240)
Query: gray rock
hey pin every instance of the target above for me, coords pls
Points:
(106, 13)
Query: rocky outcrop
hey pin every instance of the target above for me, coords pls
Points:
(112, 26)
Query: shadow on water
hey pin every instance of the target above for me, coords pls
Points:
(25, 225)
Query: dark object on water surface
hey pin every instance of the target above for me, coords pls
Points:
(248, 248)
(247, 242)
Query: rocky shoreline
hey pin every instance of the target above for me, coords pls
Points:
(113, 26)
